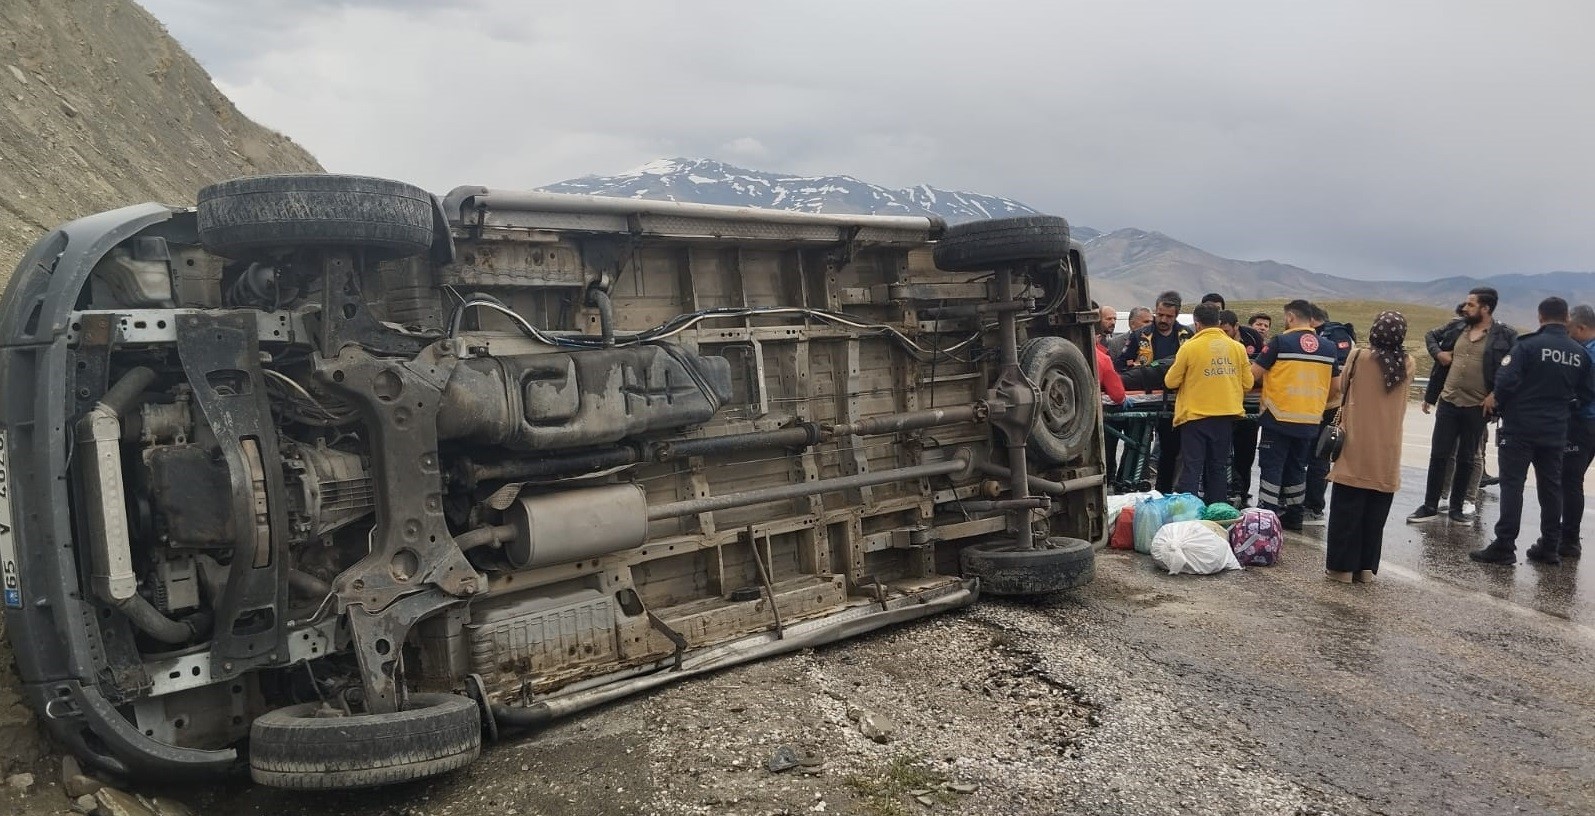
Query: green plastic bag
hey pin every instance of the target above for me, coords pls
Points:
(1220, 511)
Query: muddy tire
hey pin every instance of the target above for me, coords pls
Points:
(265, 215)
(1066, 416)
(981, 245)
(1003, 569)
(293, 748)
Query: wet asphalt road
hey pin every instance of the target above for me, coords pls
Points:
(1438, 550)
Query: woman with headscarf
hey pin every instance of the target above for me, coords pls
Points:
(1368, 472)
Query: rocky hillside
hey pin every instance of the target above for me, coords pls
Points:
(100, 108)
(706, 181)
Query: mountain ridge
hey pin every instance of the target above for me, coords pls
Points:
(1132, 266)
(1128, 265)
(708, 181)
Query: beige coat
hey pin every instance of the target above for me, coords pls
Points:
(1372, 418)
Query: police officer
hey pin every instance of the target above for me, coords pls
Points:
(1540, 384)
(1580, 443)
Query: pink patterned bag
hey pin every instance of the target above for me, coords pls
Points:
(1257, 538)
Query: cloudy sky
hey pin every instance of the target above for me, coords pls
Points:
(1366, 139)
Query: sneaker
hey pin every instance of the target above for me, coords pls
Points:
(1364, 576)
(1494, 555)
(1291, 522)
(1489, 481)
(1543, 555)
(1470, 509)
(1423, 514)
(1315, 518)
(1338, 577)
(1570, 550)
(1460, 516)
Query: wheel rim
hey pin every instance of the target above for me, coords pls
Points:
(1057, 402)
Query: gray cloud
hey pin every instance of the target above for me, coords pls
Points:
(1363, 139)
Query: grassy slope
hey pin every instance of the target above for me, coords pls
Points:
(1360, 314)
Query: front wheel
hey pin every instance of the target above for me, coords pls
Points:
(260, 216)
(312, 747)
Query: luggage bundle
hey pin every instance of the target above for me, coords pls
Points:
(1257, 538)
(1183, 535)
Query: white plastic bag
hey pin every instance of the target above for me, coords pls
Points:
(1117, 503)
(1120, 501)
(1191, 546)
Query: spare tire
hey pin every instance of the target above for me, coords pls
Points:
(294, 748)
(980, 245)
(262, 215)
(1057, 564)
(1066, 414)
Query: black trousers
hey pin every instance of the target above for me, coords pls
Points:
(1168, 456)
(1204, 457)
(1356, 534)
(1515, 455)
(1318, 471)
(1576, 457)
(1244, 443)
(1456, 437)
(1282, 472)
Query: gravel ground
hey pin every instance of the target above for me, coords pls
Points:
(1268, 691)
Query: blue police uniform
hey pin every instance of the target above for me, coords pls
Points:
(1547, 377)
(1576, 459)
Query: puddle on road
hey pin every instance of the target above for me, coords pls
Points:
(1438, 551)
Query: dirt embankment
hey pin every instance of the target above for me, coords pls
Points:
(100, 108)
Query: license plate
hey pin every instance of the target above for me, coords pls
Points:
(12, 592)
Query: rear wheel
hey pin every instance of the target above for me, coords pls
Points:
(312, 747)
(981, 245)
(265, 215)
(1054, 565)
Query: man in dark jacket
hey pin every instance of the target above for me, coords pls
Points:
(1436, 340)
(1547, 377)
(1340, 337)
(1139, 316)
(1477, 350)
(1150, 350)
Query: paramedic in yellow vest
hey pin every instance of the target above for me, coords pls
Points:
(1212, 376)
(1298, 370)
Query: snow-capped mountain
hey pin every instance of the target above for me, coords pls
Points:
(706, 181)
(1128, 266)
